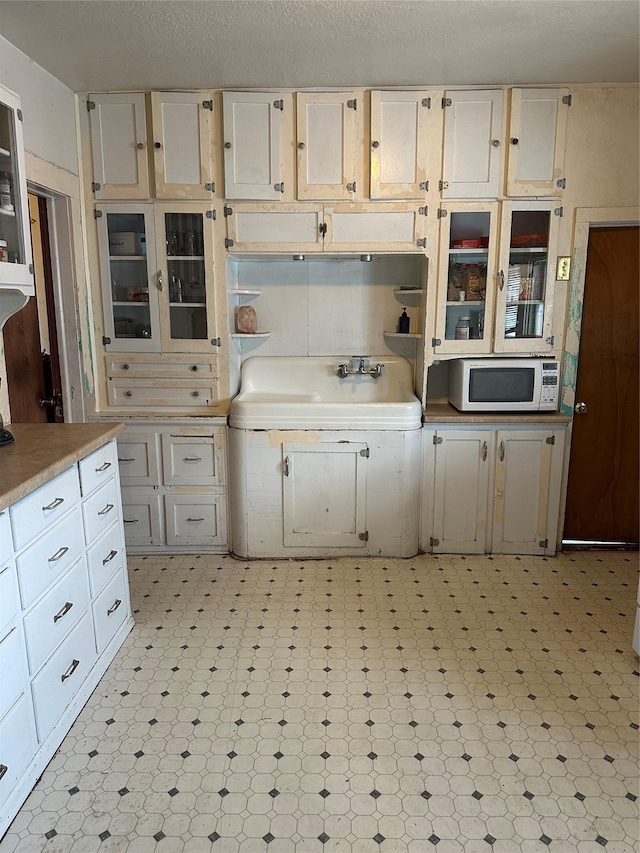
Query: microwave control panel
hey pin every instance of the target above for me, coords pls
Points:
(550, 383)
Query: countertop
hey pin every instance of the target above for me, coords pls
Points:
(41, 451)
(440, 413)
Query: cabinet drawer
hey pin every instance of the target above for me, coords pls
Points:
(13, 667)
(139, 459)
(144, 366)
(6, 542)
(141, 519)
(162, 394)
(17, 744)
(9, 600)
(53, 617)
(33, 514)
(101, 510)
(110, 609)
(58, 681)
(196, 519)
(98, 467)
(49, 557)
(104, 557)
(193, 460)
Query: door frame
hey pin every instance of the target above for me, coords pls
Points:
(585, 219)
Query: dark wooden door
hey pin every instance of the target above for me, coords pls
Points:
(602, 497)
(30, 337)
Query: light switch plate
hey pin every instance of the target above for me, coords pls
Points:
(563, 269)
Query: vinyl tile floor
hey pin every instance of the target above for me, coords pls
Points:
(357, 706)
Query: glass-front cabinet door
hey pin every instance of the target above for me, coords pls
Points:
(131, 281)
(526, 277)
(15, 241)
(466, 277)
(185, 235)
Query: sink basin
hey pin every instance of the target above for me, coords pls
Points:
(283, 392)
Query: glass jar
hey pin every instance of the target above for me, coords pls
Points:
(463, 329)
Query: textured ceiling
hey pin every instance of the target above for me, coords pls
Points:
(92, 45)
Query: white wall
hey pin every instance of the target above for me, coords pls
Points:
(48, 108)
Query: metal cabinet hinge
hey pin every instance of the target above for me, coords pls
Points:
(106, 341)
(551, 439)
(95, 186)
(210, 187)
(97, 214)
(437, 439)
(352, 104)
(364, 537)
(91, 105)
(228, 211)
(322, 229)
(279, 188)
(207, 105)
(543, 543)
(351, 187)
(365, 452)
(426, 102)
(423, 211)
(436, 342)
(278, 105)
(19, 114)
(561, 183)
(211, 214)
(424, 185)
(566, 99)
(442, 214)
(433, 541)
(228, 242)
(446, 102)
(443, 185)
(216, 342)
(422, 242)
(558, 211)
(550, 340)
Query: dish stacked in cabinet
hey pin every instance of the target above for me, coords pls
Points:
(64, 612)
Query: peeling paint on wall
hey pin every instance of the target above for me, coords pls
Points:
(572, 342)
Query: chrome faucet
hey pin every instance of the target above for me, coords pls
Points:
(362, 366)
(343, 371)
(359, 368)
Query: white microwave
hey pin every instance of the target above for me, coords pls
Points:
(504, 384)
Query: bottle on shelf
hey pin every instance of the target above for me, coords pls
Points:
(404, 322)
(463, 329)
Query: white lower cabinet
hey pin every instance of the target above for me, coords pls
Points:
(64, 611)
(489, 489)
(174, 485)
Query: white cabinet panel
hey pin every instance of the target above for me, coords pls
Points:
(196, 519)
(119, 146)
(251, 123)
(97, 467)
(110, 609)
(9, 599)
(101, 510)
(139, 459)
(104, 557)
(398, 165)
(193, 460)
(183, 144)
(17, 744)
(34, 513)
(6, 541)
(472, 143)
(161, 394)
(270, 227)
(141, 518)
(13, 666)
(397, 227)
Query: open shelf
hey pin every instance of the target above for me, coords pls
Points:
(243, 337)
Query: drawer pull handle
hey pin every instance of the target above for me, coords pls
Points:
(58, 555)
(130, 520)
(126, 459)
(3, 770)
(192, 459)
(70, 671)
(54, 504)
(63, 612)
(109, 557)
(103, 467)
(107, 509)
(114, 607)
(195, 519)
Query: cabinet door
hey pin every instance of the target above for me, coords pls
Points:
(196, 519)
(324, 493)
(526, 277)
(274, 227)
(251, 122)
(357, 227)
(130, 278)
(183, 144)
(472, 144)
(119, 146)
(141, 517)
(184, 235)
(520, 501)
(329, 127)
(399, 138)
(537, 133)
(466, 277)
(193, 460)
(139, 459)
(461, 491)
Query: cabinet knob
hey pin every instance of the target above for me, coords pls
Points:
(514, 140)
(227, 145)
(158, 144)
(196, 394)
(300, 146)
(194, 367)
(375, 144)
(140, 146)
(128, 394)
(495, 143)
(125, 367)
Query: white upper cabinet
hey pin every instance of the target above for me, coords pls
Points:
(274, 227)
(537, 135)
(374, 227)
(252, 144)
(400, 136)
(183, 144)
(472, 143)
(119, 146)
(329, 126)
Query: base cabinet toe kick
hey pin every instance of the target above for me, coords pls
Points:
(64, 613)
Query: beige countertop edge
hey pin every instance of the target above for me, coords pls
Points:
(42, 451)
(441, 413)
